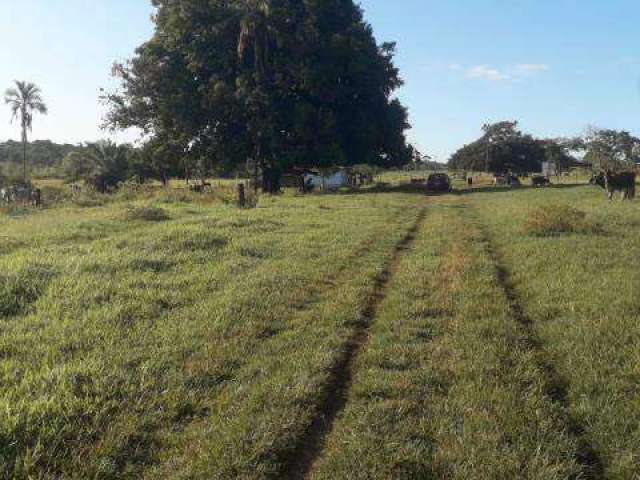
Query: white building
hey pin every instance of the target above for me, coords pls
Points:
(549, 169)
(331, 181)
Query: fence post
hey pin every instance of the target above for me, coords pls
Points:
(242, 200)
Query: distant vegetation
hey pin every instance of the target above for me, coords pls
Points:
(503, 147)
(45, 156)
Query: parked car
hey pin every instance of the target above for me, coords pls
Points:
(540, 181)
(439, 182)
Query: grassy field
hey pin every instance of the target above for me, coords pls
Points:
(368, 335)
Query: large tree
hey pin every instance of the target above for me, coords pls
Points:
(504, 148)
(280, 82)
(608, 149)
(25, 100)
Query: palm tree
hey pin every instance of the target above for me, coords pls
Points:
(108, 164)
(25, 100)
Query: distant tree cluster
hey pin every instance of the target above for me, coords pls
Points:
(281, 82)
(504, 148)
(607, 149)
(42, 154)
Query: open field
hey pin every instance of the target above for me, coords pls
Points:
(371, 335)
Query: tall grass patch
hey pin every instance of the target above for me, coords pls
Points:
(147, 213)
(553, 220)
(18, 290)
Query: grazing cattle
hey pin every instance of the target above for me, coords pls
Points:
(499, 180)
(508, 180)
(19, 194)
(624, 182)
(540, 181)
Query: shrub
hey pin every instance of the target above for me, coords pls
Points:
(88, 197)
(555, 220)
(147, 214)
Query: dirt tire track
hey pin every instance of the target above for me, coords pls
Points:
(555, 387)
(335, 396)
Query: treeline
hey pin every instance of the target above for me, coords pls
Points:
(504, 148)
(282, 83)
(42, 154)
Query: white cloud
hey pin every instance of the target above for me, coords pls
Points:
(530, 69)
(487, 73)
(511, 73)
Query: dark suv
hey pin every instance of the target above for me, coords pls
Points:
(439, 182)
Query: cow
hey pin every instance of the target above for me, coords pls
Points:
(624, 182)
(23, 195)
(508, 180)
(499, 180)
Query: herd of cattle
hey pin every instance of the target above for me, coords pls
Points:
(623, 182)
(513, 181)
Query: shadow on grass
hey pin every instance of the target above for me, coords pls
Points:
(422, 190)
(493, 189)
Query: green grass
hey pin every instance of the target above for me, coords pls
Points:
(170, 335)
(149, 335)
(447, 386)
(581, 293)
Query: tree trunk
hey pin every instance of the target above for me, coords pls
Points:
(24, 154)
(255, 170)
(242, 201)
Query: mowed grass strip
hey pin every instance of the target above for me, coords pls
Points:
(257, 422)
(580, 290)
(141, 348)
(447, 386)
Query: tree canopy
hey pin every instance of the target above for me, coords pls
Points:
(503, 147)
(283, 82)
(608, 149)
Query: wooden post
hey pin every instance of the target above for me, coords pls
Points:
(242, 200)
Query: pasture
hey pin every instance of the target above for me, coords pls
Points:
(366, 335)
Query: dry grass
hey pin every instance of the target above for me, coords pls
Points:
(552, 220)
(146, 213)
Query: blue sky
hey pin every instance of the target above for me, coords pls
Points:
(557, 66)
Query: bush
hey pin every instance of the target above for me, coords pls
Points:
(147, 214)
(52, 195)
(89, 198)
(555, 220)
